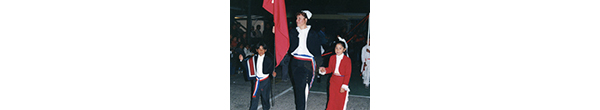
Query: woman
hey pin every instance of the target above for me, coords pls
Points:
(306, 55)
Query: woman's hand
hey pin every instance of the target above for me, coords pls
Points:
(342, 90)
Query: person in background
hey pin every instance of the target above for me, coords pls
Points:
(257, 32)
(233, 42)
(366, 60)
(238, 51)
(248, 51)
(252, 34)
(244, 39)
(341, 67)
(324, 39)
(252, 38)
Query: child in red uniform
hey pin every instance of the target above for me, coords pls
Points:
(340, 66)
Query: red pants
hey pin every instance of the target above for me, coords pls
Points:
(337, 100)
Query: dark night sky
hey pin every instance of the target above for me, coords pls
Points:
(315, 6)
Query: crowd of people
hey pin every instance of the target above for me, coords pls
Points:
(241, 44)
(311, 51)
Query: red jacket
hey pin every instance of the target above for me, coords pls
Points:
(345, 71)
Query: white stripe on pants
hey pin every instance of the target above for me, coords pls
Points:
(306, 98)
(346, 100)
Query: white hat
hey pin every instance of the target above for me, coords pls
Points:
(308, 14)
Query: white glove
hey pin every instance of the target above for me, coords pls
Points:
(346, 87)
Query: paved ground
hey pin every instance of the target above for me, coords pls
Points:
(283, 95)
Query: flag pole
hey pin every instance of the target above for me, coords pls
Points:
(274, 62)
(280, 33)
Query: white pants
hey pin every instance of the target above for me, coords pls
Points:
(366, 76)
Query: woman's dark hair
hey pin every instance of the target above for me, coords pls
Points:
(301, 13)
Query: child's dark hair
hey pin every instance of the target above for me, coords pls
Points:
(262, 44)
(340, 42)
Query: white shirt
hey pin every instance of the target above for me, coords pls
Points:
(302, 36)
(259, 68)
(338, 60)
(366, 58)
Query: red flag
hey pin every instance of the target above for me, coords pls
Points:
(282, 36)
